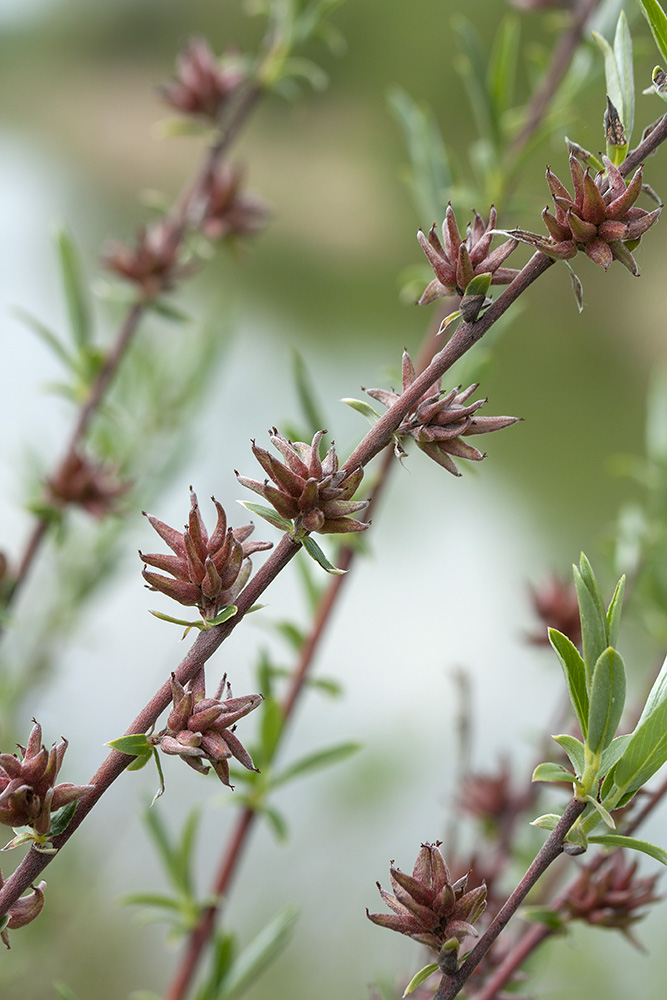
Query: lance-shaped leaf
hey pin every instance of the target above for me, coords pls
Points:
(420, 977)
(256, 956)
(614, 612)
(552, 772)
(575, 750)
(617, 840)
(593, 618)
(657, 20)
(645, 753)
(575, 675)
(607, 700)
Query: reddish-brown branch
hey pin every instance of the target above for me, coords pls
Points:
(552, 848)
(561, 59)
(185, 213)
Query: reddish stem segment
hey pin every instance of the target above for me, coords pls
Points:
(552, 848)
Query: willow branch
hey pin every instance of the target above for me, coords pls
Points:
(552, 848)
(185, 213)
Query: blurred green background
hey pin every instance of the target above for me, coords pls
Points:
(446, 586)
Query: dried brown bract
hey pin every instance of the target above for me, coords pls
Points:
(201, 729)
(458, 261)
(202, 85)
(600, 219)
(28, 790)
(428, 906)
(207, 572)
(312, 491)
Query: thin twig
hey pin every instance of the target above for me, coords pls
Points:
(552, 848)
(562, 57)
(184, 213)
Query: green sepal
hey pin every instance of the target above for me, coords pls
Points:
(607, 700)
(614, 612)
(140, 761)
(315, 552)
(480, 284)
(552, 772)
(420, 977)
(576, 835)
(575, 675)
(222, 616)
(136, 744)
(269, 514)
(364, 408)
(618, 840)
(61, 819)
(575, 750)
(549, 821)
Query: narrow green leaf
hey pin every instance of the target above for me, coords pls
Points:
(276, 821)
(254, 959)
(473, 65)
(623, 54)
(178, 621)
(272, 722)
(604, 814)
(269, 514)
(617, 840)
(291, 633)
(63, 992)
(575, 675)
(645, 753)
(542, 915)
(158, 765)
(306, 393)
(552, 772)
(76, 293)
(614, 752)
(656, 696)
(154, 899)
(479, 285)
(315, 552)
(614, 612)
(135, 744)
(607, 700)
(316, 761)
(49, 338)
(140, 761)
(593, 624)
(223, 616)
(657, 21)
(575, 750)
(165, 849)
(419, 978)
(184, 852)
(168, 311)
(61, 819)
(364, 408)
(613, 83)
(224, 950)
(429, 177)
(503, 63)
